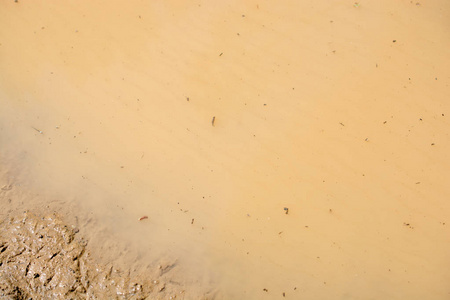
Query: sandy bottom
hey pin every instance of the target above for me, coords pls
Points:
(288, 150)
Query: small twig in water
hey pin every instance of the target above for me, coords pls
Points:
(40, 131)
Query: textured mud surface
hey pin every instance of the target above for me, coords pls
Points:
(41, 257)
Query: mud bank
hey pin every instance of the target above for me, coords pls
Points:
(43, 258)
(47, 252)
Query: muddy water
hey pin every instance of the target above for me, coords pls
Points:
(324, 172)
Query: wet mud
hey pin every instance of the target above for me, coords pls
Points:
(41, 257)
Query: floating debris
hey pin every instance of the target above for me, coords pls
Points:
(40, 131)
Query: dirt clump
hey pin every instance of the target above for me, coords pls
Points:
(41, 257)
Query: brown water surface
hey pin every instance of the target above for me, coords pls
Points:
(324, 174)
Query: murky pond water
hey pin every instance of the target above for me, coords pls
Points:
(290, 150)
